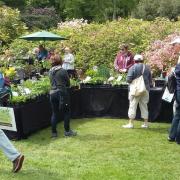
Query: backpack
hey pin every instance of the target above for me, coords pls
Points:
(171, 84)
(137, 87)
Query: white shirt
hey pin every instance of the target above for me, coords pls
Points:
(68, 61)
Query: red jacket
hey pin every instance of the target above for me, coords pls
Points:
(123, 61)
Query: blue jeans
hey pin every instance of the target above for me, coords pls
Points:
(175, 126)
(56, 105)
(7, 147)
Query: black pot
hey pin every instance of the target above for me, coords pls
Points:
(160, 83)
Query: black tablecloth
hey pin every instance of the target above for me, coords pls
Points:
(87, 102)
(113, 102)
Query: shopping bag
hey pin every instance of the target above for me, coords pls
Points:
(167, 96)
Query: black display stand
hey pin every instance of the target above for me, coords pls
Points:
(87, 102)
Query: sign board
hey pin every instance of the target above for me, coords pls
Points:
(7, 119)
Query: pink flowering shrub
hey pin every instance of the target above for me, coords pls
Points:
(161, 55)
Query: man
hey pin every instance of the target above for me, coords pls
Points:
(42, 53)
(124, 59)
(174, 134)
(12, 154)
(138, 69)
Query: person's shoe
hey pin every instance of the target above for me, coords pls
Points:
(144, 126)
(17, 163)
(128, 126)
(54, 135)
(170, 139)
(70, 133)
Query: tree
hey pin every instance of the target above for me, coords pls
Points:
(150, 9)
(11, 26)
(20, 4)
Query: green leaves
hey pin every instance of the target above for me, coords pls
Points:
(10, 27)
(37, 88)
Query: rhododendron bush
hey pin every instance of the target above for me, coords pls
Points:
(96, 44)
(162, 55)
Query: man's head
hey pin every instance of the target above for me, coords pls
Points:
(41, 47)
(176, 44)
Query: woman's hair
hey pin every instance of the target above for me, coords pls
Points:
(56, 60)
(124, 46)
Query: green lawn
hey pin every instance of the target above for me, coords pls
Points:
(101, 151)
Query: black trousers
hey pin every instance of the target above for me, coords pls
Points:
(60, 107)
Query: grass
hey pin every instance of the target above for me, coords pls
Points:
(5, 115)
(101, 151)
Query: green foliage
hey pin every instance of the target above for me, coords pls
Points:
(103, 72)
(42, 18)
(97, 44)
(10, 27)
(37, 88)
(150, 9)
(20, 4)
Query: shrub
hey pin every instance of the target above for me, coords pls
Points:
(11, 26)
(42, 18)
(97, 44)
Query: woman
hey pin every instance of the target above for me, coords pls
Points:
(134, 72)
(59, 96)
(124, 59)
(68, 62)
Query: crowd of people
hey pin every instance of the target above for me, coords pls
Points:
(60, 73)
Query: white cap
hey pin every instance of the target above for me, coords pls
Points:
(176, 41)
(138, 57)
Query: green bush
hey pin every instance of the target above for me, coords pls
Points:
(11, 26)
(97, 44)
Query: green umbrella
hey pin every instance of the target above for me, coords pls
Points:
(43, 36)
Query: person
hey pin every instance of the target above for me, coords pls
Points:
(174, 133)
(124, 59)
(51, 53)
(10, 151)
(68, 62)
(59, 96)
(134, 72)
(42, 53)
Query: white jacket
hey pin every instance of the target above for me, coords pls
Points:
(68, 61)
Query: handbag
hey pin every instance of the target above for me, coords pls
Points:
(137, 86)
(64, 98)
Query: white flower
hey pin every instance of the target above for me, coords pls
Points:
(88, 78)
(119, 78)
(111, 78)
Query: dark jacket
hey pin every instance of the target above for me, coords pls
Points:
(135, 71)
(58, 78)
(177, 72)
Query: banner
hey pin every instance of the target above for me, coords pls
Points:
(7, 119)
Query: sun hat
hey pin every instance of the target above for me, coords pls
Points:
(176, 41)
